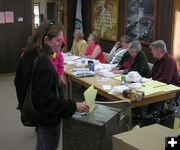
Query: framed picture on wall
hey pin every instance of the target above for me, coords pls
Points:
(140, 19)
(105, 19)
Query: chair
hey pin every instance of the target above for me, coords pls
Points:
(123, 105)
(150, 66)
(106, 56)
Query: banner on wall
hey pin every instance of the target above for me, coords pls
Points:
(78, 22)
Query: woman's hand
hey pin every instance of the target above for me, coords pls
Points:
(82, 107)
(86, 56)
(115, 68)
(117, 71)
(62, 81)
(118, 44)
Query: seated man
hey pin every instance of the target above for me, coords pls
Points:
(165, 67)
(133, 60)
(164, 70)
(119, 49)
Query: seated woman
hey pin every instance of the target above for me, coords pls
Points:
(119, 49)
(93, 49)
(79, 44)
(133, 60)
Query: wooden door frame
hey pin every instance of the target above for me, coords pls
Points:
(32, 16)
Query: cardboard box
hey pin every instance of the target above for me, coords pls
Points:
(147, 138)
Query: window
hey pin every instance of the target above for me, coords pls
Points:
(36, 15)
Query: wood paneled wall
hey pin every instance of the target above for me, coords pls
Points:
(13, 36)
(71, 16)
(163, 23)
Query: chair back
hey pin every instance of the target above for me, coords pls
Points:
(150, 66)
(106, 56)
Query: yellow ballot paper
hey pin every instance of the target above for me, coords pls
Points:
(90, 96)
(117, 78)
(154, 84)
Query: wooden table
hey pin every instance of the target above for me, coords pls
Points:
(99, 81)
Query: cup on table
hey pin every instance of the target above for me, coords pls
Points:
(91, 65)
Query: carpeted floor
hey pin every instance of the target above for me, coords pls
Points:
(13, 135)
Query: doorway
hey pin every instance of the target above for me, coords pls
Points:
(176, 33)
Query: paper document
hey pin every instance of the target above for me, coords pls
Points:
(90, 96)
(118, 78)
(150, 90)
(158, 87)
(171, 87)
(85, 73)
(69, 62)
(154, 84)
(72, 57)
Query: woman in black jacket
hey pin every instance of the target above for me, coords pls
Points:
(133, 60)
(47, 102)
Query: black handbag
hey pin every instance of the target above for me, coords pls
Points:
(29, 115)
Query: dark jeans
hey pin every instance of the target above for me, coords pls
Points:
(48, 137)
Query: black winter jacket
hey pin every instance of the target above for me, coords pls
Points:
(44, 94)
(140, 64)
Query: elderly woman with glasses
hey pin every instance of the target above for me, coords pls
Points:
(93, 49)
(133, 60)
(119, 49)
(79, 44)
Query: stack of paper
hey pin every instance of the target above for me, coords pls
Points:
(153, 87)
(70, 59)
(83, 73)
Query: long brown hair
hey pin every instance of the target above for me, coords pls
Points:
(36, 40)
